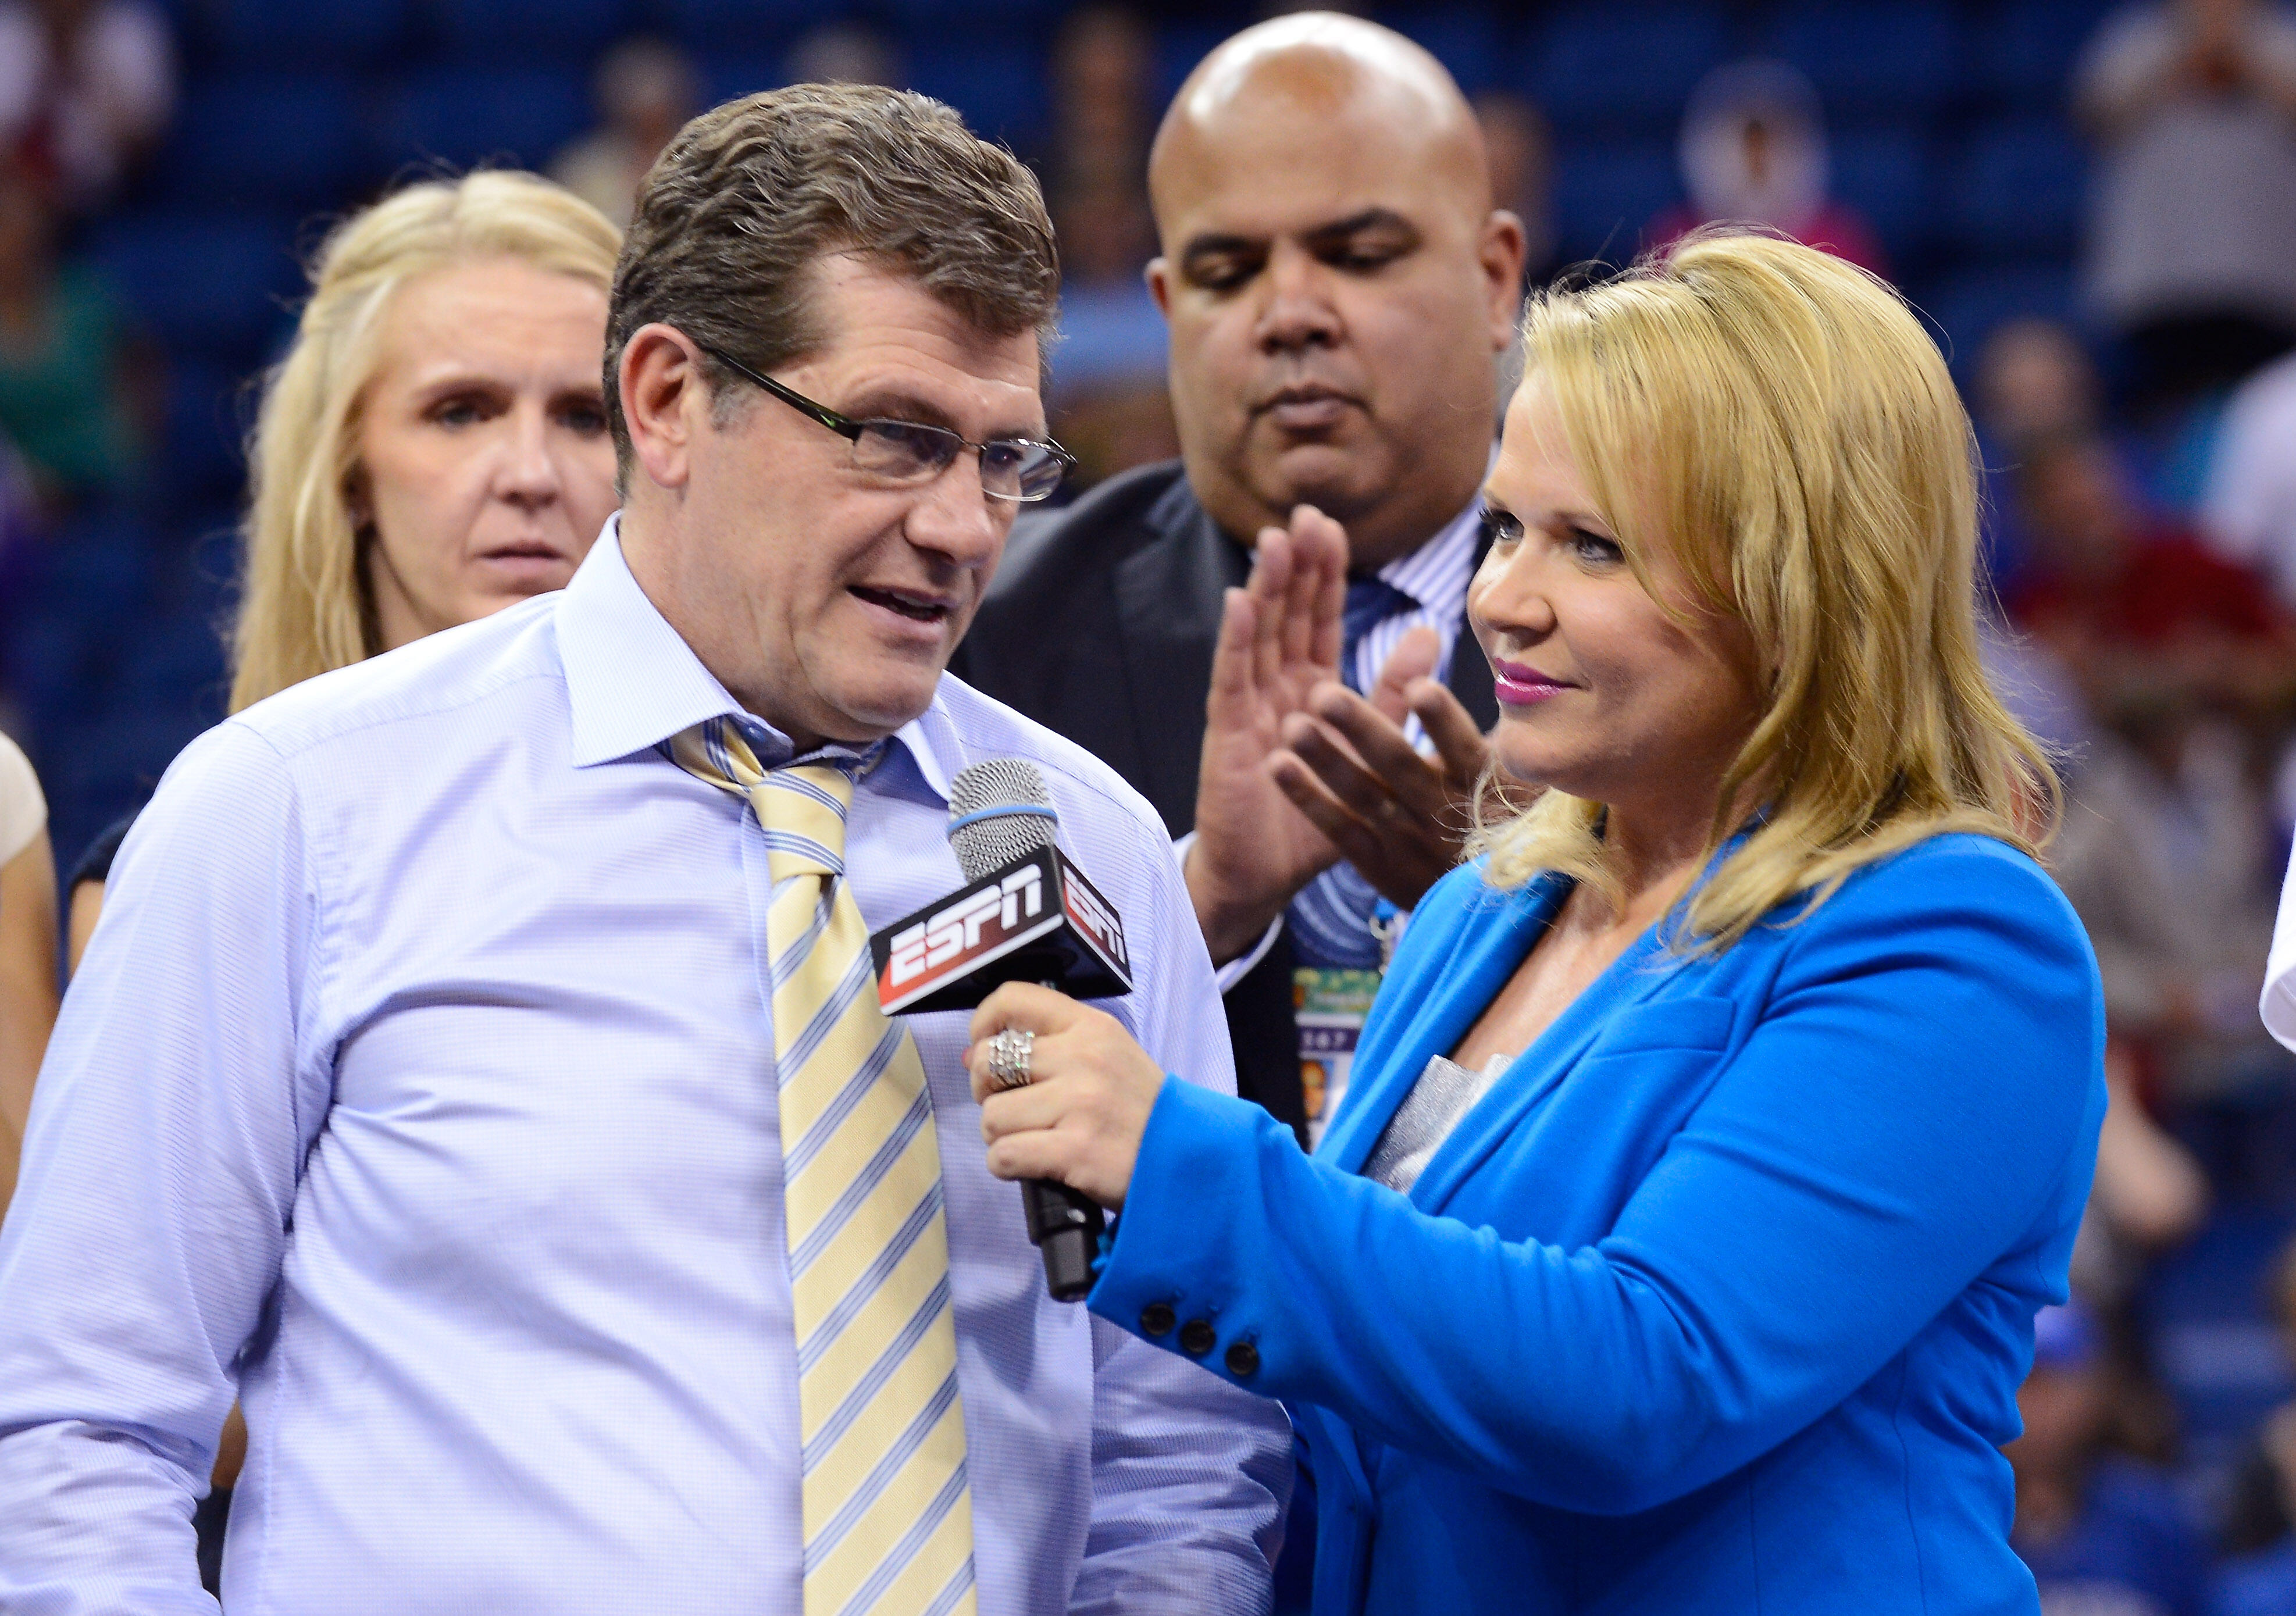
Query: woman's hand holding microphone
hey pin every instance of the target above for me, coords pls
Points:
(1073, 1095)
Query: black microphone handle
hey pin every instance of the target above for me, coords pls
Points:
(1064, 1225)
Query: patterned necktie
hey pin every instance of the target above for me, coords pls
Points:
(1330, 920)
(1371, 602)
(888, 1513)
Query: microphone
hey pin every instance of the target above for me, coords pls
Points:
(1025, 913)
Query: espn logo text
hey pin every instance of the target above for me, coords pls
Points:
(976, 921)
(1089, 913)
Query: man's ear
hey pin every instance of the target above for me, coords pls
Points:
(1158, 275)
(665, 402)
(1501, 251)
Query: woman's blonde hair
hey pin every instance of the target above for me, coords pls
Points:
(1780, 421)
(306, 604)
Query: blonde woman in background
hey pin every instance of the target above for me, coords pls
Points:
(1720, 1127)
(27, 949)
(432, 448)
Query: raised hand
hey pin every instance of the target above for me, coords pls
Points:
(1279, 639)
(1399, 817)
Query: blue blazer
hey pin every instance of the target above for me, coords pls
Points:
(1718, 1301)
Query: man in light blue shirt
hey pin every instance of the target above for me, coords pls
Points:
(419, 1088)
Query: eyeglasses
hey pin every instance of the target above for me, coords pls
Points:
(911, 451)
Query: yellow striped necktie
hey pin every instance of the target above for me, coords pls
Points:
(888, 1512)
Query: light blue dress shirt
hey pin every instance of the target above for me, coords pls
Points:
(416, 1089)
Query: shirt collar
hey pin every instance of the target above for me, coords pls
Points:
(1437, 574)
(632, 682)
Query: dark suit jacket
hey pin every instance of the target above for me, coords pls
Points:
(1100, 625)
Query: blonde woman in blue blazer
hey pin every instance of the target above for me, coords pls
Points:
(1720, 1127)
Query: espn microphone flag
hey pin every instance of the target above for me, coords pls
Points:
(1025, 914)
(1035, 919)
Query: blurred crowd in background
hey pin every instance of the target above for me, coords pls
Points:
(2096, 209)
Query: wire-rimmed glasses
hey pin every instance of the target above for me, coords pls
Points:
(900, 452)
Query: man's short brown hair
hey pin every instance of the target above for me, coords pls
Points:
(751, 194)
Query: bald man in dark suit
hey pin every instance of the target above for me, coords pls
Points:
(1340, 290)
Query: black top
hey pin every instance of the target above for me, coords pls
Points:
(95, 863)
(1101, 623)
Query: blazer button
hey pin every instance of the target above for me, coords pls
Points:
(1196, 1337)
(1157, 1318)
(1242, 1360)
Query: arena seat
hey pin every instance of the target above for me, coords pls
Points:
(1623, 67)
(728, 76)
(906, 14)
(1878, 58)
(2030, 50)
(999, 86)
(91, 787)
(1179, 46)
(45, 663)
(200, 575)
(2016, 188)
(742, 28)
(215, 287)
(298, 34)
(1966, 305)
(1885, 174)
(1606, 196)
(98, 565)
(2217, 1351)
(480, 32)
(1466, 39)
(175, 669)
(200, 459)
(464, 115)
(269, 142)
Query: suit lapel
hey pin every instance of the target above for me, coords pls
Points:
(1485, 953)
(1470, 679)
(1469, 676)
(1168, 611)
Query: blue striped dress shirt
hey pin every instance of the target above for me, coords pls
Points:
(1331, 917)
(417, 1090)
(1436, 577)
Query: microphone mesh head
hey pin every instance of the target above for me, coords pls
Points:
(1013, 785)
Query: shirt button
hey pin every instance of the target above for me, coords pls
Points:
(1196, 1337)
(1157, 1318)
(1243, 1360)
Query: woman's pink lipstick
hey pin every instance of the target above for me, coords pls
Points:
(1519, 686)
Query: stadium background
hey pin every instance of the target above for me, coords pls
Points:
(1949, 135)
